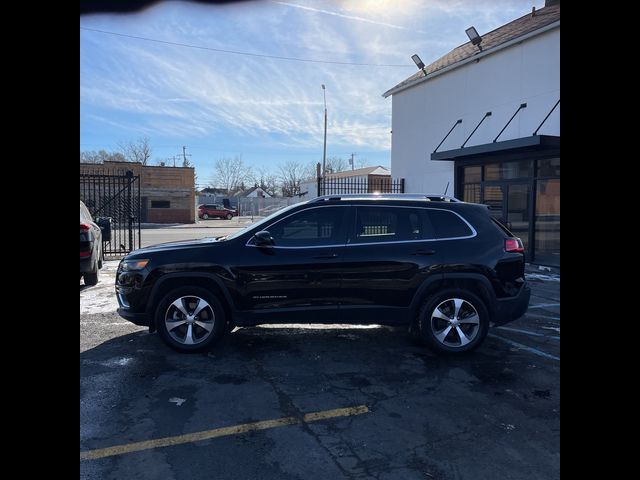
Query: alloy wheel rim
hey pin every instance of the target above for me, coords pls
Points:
(455, 322)
(189, 320)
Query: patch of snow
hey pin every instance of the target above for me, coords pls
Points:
(101, 298)
(177, 401)
(116, 362)
(545, 278)
(556, 329)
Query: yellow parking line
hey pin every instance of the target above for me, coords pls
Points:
(220, 432)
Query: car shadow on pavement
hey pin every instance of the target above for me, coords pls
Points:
(421, 406)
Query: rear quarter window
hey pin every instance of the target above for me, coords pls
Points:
(447, 224)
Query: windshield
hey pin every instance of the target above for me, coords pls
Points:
(264, 221)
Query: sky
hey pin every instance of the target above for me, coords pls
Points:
(172, 84)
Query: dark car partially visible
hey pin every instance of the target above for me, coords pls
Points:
(90, 247)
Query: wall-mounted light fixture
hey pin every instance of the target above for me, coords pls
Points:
(419, 64)
(473, 35)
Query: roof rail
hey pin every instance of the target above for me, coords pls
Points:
(429, 197)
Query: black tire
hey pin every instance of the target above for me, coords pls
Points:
(429, 321)
(229, 216)
(165, 308)
(205, 216)
(91, 278)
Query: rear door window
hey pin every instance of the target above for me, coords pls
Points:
(391, 224)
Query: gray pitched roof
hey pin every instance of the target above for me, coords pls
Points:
(512, 30)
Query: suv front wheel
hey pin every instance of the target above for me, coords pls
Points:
(453, 321)
(190, 319)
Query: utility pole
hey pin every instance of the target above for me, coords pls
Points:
(352, 162)
(324, 151)
(184, 156)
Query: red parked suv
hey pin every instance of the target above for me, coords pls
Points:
(211, 211)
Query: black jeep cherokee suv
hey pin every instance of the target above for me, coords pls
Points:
(443, 267)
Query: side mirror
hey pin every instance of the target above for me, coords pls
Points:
(263, 239)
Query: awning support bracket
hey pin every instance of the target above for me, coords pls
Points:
(488, 114)
(445, 137)
(545, 118)
(522, 105)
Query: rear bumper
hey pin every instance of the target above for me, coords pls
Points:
(510, 309)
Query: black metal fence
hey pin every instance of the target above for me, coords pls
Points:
(114, 195)
(337, 185)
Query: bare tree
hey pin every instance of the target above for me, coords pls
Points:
(266, 180)
(137, 151)
(311, 170)
(101, 156)
(230, 173)
(337, 164)
(291, 174)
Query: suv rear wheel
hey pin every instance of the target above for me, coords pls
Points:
(190, 319)
(453, 321)
(205, 216)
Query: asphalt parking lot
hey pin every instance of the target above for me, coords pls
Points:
(320, 402)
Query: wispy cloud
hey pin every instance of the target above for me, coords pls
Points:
(349, 17)
(129, 87)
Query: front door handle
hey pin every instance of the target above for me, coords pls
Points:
(424, 252)
(328, 255)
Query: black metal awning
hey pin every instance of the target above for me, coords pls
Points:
(524, 144)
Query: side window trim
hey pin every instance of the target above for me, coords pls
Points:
(350, 228)
(353, 234)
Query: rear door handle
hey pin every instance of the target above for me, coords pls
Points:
(424, 252)
(328, 255)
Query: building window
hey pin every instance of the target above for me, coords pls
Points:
(160, 204)
(547, 224)
(549, 167)
(525, 198)
(471, 193)
(472, 174)
(508, 170)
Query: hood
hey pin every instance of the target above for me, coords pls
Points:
(183, 244)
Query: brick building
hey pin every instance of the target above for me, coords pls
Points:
(167, 194)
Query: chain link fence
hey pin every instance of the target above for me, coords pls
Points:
(252, 208)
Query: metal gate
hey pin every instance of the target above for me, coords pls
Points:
(351, 185)
(114, 195)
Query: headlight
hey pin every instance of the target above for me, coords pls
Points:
(131, 265)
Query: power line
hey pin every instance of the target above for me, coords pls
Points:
(249, 54)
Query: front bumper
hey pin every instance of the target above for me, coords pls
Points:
(510, 309)
(141, 319)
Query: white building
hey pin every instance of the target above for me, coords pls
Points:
(485, 120)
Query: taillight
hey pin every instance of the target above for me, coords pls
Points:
(513, 245)
(85, 254)
(85, 227)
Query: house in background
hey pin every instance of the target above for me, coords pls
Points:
(167, 194)
(375, 179)
(486, 120)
